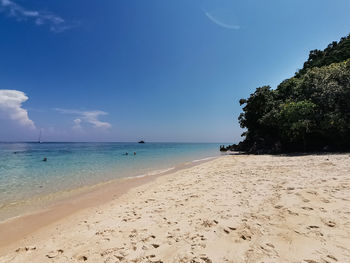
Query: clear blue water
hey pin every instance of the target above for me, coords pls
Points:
(23, 174)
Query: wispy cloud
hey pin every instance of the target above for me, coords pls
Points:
(11, 107)
(77, 125)
(56, 23)
(219, 23)
(91, 117)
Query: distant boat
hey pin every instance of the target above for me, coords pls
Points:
(141, 141)
(39, 139)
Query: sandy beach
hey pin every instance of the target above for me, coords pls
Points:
(236, 208)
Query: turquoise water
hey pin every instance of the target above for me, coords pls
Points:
(24, 175)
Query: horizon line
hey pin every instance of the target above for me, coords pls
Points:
(105, 142)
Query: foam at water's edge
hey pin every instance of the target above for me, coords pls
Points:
(155, 172)
(204, 159)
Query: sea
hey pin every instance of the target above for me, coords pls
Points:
(31, 171)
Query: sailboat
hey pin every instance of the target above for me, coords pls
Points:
(39, 139)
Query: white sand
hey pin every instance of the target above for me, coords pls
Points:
(231, 209)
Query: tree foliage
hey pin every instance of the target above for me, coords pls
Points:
(310, 111)
(335, 52)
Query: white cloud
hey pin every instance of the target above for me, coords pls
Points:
(219, 23)
(11, 107)
(77, 124)
(56, 23)
(90, 117)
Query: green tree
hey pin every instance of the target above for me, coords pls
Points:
(297, 120)
(309, 111)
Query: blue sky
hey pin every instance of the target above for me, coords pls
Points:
(149, 69)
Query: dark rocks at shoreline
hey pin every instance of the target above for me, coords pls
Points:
(224, 148)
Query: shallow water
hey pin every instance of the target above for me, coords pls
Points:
(23, 174)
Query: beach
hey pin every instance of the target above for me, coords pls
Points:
(27, 183)
(235, 208)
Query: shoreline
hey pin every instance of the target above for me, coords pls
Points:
(235, 208)
(45, 201)
(16, 228)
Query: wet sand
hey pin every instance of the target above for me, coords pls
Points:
(62, 204)
(237, 208)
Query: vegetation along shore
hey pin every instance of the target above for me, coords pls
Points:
(308, 112)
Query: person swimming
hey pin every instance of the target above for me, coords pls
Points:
(45, 159)
(125, 153)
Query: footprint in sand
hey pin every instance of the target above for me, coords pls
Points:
(310, 261)
(324, 200)
(206, 259)
(208, 223)
(108, 252)
(246, 237)
(332, 257)
(330, 223)
(83, 258)
(25, 249)
(53, 254)
(270, 245)
(226, 231)
(307, 208)
(292, 213)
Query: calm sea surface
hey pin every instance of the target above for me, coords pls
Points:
(23, 174)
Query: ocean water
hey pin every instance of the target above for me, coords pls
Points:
(24, 175)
